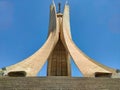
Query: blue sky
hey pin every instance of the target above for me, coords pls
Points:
(95, 27)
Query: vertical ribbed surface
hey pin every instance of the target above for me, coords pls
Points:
(58, 61)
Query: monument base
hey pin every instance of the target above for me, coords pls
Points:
(58, 83)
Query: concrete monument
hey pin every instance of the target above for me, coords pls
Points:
(58, 49)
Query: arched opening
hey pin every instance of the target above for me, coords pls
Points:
(17, 74)
(103, 74)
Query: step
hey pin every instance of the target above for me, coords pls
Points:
(58, 83)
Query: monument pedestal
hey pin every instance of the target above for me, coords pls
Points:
(58, 83)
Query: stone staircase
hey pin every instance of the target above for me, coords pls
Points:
(58, 83)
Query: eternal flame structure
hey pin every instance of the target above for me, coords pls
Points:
(58, 49)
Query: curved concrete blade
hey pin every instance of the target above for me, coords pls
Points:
(34, 63)
(87, 66)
